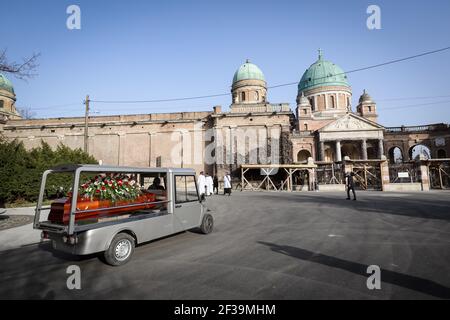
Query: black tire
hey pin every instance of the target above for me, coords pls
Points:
(207, 224)
(120, 250)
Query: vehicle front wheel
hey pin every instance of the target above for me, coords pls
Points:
(207, 224)
(120, 250)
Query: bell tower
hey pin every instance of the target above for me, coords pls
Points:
(367, 108)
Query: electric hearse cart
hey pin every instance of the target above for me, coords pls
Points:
(111, 209)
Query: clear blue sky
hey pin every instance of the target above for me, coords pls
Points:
(141, 50)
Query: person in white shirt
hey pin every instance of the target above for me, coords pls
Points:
(227, 184)
(209, 185)
(201, 182)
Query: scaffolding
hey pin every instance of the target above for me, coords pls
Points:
(285, 171)
(439, 170)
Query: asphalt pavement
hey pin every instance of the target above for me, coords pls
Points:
(266, 245)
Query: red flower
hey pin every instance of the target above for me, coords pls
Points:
(103, 188)
(97, 191)
(126, 183)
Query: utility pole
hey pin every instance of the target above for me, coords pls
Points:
(86, 126)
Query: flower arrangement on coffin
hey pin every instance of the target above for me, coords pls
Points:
(110, 187)
(111, 191)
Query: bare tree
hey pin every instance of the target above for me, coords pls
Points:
(21, 70)
(26, 113)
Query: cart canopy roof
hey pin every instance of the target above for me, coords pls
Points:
(106, 168)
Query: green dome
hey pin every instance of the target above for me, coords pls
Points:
(322, 73)
(248, 71)
(5, 84)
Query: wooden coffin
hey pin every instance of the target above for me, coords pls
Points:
(60, 209)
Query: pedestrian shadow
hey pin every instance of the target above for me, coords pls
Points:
(399, 279)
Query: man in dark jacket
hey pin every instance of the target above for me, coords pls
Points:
(216, 185)
(350, 184)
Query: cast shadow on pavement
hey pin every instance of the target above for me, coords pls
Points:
(399, 279)
(398, 206)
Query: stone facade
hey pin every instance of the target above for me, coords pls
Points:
(253, 131)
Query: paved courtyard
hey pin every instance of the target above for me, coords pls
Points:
(265, 246)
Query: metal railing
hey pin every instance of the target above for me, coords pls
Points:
(430, 127)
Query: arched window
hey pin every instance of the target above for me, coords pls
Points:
(243, 96)
(303, 155)
(441, 154)
(332, 102)
(256, 95)
(305, 126)
(419, 150)
(395, 155)
(369, 108)
(311, 102)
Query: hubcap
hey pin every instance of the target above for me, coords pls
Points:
(208, 223)
(123, 249)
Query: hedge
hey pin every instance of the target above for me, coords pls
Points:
(21, 170)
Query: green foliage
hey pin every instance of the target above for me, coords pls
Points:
(21, 170)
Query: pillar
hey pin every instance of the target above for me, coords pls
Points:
(384, 169)
(364, 149)
(424, 176)
(380, 149)
(322, 151)
(338, 151)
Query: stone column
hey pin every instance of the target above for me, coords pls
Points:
(364, 149)
(322, 151)
(424, 176)
(338, 151)
(384, 169)
(380, 148)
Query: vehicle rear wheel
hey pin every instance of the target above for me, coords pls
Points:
(120, 250)
(207, 224)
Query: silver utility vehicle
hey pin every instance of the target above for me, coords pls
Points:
(111, 209)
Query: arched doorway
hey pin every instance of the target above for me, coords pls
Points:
(441, 154)
(419, 149)
(395, 155)
(350, 150)
(303, 155)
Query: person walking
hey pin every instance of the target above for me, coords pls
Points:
(350, 184)
(227, 184)
(215, 184)
(201, 182)
(209, 185)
